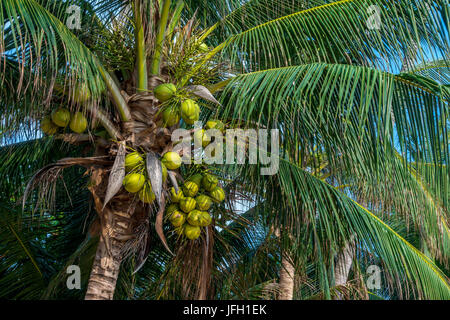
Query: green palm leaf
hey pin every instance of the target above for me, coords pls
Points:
(345, 31)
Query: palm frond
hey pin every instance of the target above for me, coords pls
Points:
(332, 217)
(438, 70)
(354, 116)
(365, 32)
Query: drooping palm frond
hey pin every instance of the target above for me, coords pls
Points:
(33, 63)
(256, 12)
(21, 275)
(355, 116)
(331, 217)
(32, 36)
(364, 32)
(47, 237)
(438, 70)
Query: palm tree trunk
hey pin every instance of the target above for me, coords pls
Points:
(105, 271)
(342, 267)
(116, 228)
(286, 283)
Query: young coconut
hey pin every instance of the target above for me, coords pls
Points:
(190, 189)
(171, 117)
(218, 194)
(48, 127)
(209, 182)
(165, 92)
(201, 137)
(177, 218)
(197, 179)
(134, 182)
(78, 123)
(204, 219)
(191, 232)
(203, 202)
(187, 204)
(214, 124)
(133, 161)
(193, 218)
(174, 196)
(190, 111)
(171, 160)
(61, 117)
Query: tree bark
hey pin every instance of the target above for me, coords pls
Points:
(104, 273)
(343, 265)
(286, 283)
(116, 225)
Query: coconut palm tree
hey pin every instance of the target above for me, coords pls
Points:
(361, 144)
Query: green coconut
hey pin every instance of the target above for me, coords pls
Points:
(201, 137)
(78, 123)
(190, 111)
(61, 117)
(218, 194)
(171, 160)
(187, 204)
(132, 161)
(193, 218)
(165, 92)
(171, 117)
(197, 178)
(204, 219)
(176, 196)
(209, 182)
(214, 124)
(48, 127)
(191, 232)
(203, 202)
(177, 218)
(190, 189)
(134, 182)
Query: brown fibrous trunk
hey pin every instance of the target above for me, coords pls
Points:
(286, 283)
(117, 222)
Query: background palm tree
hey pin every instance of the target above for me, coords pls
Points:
(363, 148)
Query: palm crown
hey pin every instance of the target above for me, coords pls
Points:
(358, 90)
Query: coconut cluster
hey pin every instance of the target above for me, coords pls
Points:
(188, 110)
(189, 205)
(189, 208)
(60, 119)
(136, 179)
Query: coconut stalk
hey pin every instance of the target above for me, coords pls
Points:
(141, 54)
(156, 62)
(104, 120)
(116, 96)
